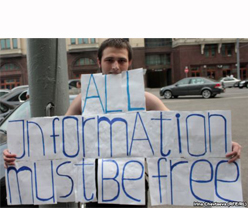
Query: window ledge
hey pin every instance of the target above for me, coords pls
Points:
(10, 51)
(82, 46)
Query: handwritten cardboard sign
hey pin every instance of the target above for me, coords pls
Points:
(118, 93)
(184, 151)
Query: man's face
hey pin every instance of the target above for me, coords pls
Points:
(114, 60)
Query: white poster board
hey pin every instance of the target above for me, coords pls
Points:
(185, 151)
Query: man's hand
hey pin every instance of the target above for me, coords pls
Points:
(235, 154)
(9, 159)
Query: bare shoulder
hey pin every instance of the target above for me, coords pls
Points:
(154, 103)
(75, 106)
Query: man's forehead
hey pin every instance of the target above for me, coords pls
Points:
(115, 52)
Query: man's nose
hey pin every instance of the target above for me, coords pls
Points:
(115, 65)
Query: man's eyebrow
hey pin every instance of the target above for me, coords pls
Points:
(118, 58)
(109, 58)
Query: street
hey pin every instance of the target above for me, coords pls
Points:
(233, 99)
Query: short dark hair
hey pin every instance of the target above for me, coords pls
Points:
(117, 43)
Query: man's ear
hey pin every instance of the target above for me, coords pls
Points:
(130, 64)
(99, 65)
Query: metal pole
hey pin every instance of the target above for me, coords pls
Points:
(238, 59)
(48, 77)
(48, 83)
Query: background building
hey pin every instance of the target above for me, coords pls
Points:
(165, 59)
(213, 58)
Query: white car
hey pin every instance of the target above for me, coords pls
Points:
(229, 82)
(3, 92)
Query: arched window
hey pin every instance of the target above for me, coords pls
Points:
(84, 61)
(9, 66)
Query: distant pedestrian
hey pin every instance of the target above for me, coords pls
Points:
(78, 84)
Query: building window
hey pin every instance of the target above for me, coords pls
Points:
(226, 70)
(211, 74)
(210, 50)
(92, 40)
(5, 43)
(211, 71)
(77, 76)
(79, 40)
(227, 49)
(158, 42)
(158, 59)
(84, 61)
(195, 71)
(243, 73)
(10, 83)
(9, 66)
(225, 67)
(73, 41)
(83, 40)
(14, 43)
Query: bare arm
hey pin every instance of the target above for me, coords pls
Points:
(154, 103)
(75, 106)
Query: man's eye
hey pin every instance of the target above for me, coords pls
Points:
(122, 61)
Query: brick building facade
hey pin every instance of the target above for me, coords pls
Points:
(165, 59)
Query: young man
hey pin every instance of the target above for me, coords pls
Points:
(115, 56)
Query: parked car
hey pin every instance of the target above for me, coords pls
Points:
(236, 85)
(243, 84)
(23, 96)
(229, 82)
(192, 86)
(20, 112)
(4, 91)
(19, 87)
(12, 97)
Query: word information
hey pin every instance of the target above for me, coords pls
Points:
(135, 134)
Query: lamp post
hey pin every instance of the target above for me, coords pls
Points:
(238, 59)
